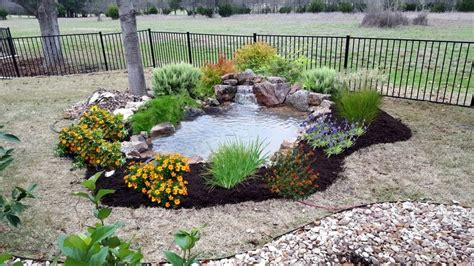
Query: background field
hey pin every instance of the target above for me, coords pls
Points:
(442, 26)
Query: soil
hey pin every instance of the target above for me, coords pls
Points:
(385, 129)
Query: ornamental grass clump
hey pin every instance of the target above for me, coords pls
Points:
(331, 135)
(360, 106)
(161, 179)
(234, 161)
(95, 141)
(175, 79)
(292, 175)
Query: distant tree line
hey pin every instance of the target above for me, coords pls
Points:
(82, 8)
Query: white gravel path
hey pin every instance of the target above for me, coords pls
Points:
(381, 233)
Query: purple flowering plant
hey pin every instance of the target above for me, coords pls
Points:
(323, 131)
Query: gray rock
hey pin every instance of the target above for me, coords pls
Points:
(326, 104)
(225, 93)
(212, 102)
(191, 113)
(276, 80)
(298, 100)
(269, 94)
(246, 78)
(134, 147)
(162, 129)
(228, 76)
(315, 99)
(294, 88)
(231, 82)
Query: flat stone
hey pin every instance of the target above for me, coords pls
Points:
(163, 129)
(269, 94)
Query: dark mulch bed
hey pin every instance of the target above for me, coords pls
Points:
(385, 129)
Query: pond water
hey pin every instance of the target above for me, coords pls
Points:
(244, 120)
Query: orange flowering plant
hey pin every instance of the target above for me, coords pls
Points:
(291, 174)
(95, 140)
(212, 73)
(161, 179)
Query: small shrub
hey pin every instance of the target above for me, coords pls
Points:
(362, 78)
(205, 11)
(465, 5)
(321, 80)
(212, 73)
(241, 10)
(152, 10)
(376, 17)
(315, 6)
(289, 69)
(345, 7)
(61, 10)
(360, 7)
(361, 106)
(438, 8)
(112, 12)
(285, 10)
(291, 174)
(411, 7)
(3, 14)
(233, 162)
(331, 135)
(185, 241)
(175, 79)
(254, 56)
(160, 179)
(331, 7)
(161, 109)
(301, 9)
(421, 19)
(225, 10)
(166, 11)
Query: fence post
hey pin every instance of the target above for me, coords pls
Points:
(190, 55)
(152, 50)
(346, 53)
(103, 51)
(13, 52)
(255, 37)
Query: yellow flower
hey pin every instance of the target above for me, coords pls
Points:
(167, 205)
(177, 201)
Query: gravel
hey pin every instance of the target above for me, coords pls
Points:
(405, 232)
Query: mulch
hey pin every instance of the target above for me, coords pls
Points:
(385, 129)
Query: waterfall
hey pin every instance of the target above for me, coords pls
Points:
(245, 95)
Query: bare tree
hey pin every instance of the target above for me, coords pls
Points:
(46, 13)
(128, 22)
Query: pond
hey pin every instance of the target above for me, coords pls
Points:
(244, 120)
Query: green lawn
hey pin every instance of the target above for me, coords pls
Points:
(445, 26)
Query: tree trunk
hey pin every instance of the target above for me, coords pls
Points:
(128, 22)
(48, 20)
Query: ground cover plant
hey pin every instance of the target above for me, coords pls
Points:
(175, 79)
(161, 179)
(169, 108)
(95, 140)
(254, 56)
(291, 174)
(234, 161)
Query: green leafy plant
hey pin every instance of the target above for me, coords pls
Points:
(438, 8)
(12, 207)
(98, 245)
(465, 5)
(3, 14)
(205, 11)
(175, 79)
(291, 174)
(225, 10)
(4, 257)
(112, 12)
(161, 109)
(234, 161)
(152, 10)
(185, 240)
(360, 106)
(322, 80)
(289, 69)
(285, 10)
(315, 6)
(345, 7)
(212, 73)
(254, 56)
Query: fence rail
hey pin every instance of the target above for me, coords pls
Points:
(430, 70)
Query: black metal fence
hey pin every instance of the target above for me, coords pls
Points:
(430, 70)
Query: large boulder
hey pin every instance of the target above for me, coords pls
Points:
(162, 129)
(225, 93)
(276, 80)
(269, 94)
(246, 78)
(190, 113)
(303, 99)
